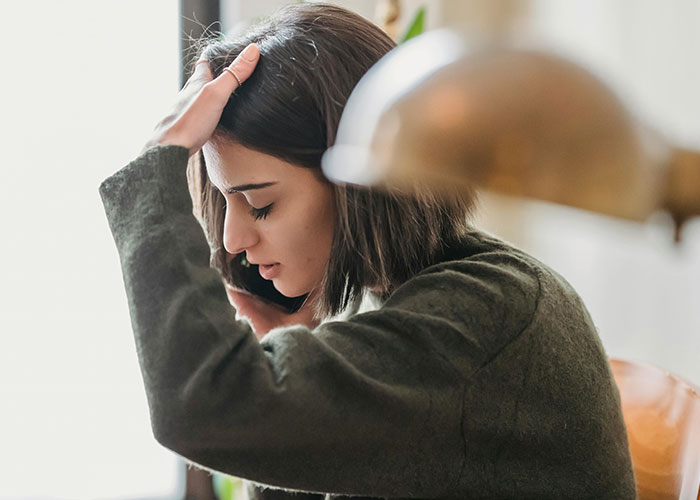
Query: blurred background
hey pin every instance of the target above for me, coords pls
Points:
(83, 85)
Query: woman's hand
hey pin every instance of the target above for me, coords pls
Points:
(201, 101)
(264, 315)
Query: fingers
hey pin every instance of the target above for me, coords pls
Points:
(235, 295)
(201, 69)
(240, 69)
(201, 74)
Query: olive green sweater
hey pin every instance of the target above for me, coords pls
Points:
(480, 377)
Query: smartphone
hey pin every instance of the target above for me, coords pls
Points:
(245, 276)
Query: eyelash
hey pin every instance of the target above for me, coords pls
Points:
(261, 213)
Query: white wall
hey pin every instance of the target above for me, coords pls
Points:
(83, 84)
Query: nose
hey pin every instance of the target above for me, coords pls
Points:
(239, 231)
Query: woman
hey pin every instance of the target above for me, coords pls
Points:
(479, 376)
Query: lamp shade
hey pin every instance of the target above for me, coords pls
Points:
(441, 110)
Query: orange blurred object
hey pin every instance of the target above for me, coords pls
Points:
(444, 110)
(662, 414)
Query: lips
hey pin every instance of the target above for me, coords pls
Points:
(269, 271)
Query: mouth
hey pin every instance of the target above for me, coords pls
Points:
(269, 271)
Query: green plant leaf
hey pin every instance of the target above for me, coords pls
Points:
(224, 486)
(416, 27)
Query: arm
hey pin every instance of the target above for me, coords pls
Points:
(370, 406)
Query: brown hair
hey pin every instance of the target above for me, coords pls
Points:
(312, 55)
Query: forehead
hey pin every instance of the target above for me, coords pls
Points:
(230, 164)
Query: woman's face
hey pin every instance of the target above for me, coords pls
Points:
(280, 214)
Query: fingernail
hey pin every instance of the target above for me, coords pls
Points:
(250, 52)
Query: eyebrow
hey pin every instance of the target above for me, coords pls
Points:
(248, 187)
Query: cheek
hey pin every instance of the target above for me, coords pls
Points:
(305, 239)
(320, 225)
(293, 241)
(313, 238)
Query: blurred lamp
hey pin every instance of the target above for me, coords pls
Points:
(521, 122)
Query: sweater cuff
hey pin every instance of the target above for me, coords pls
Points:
(164, 167)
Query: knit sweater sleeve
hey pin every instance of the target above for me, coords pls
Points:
(262, 492)
(371, 406)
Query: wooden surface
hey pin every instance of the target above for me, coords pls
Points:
(662, 414)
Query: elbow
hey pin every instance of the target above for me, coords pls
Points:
(191, 439)
(173, 431)
(168, 435)
(176, 441)
(179, 422)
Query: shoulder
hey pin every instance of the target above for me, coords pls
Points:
(484, 284)
(463, 310)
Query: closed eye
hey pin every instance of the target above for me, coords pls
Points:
(261, 213)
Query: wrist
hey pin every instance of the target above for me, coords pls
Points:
(168, 140)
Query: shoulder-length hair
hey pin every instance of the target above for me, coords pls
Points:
(312, 55)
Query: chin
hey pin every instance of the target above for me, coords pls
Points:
(289, 290)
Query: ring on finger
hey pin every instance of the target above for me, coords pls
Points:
(234, 75)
